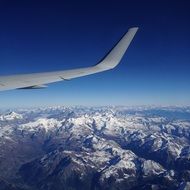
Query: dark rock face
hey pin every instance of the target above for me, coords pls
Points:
(95, 148)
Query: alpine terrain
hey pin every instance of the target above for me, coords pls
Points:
(95, 148)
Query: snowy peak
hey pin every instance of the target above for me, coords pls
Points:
(41, 123)
(11, 116)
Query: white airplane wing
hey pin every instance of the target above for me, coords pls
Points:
(39, 80)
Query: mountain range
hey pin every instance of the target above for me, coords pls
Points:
(95, 148)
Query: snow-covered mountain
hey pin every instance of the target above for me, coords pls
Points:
(10, 116)
(95, 148)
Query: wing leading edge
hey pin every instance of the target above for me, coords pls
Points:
(37, 80)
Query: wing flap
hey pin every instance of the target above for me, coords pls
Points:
(33, 87)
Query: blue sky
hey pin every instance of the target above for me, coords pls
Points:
(39, 36)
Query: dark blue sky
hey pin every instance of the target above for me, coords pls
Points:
(38, 36)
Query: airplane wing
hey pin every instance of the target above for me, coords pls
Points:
(39, 80)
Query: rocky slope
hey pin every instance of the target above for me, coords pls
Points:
(95, 148)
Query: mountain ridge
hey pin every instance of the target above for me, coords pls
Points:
(95, 148)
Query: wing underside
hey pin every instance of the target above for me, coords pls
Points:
(39, 80)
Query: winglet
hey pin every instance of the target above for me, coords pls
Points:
(114, 56)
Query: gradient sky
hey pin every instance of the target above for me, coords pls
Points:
(37, 36)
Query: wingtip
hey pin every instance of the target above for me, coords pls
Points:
(134, 28)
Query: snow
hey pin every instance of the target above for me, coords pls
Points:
(152, 168)
(102, 135)
(5, 131)
(43, 123)
(11, 116)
